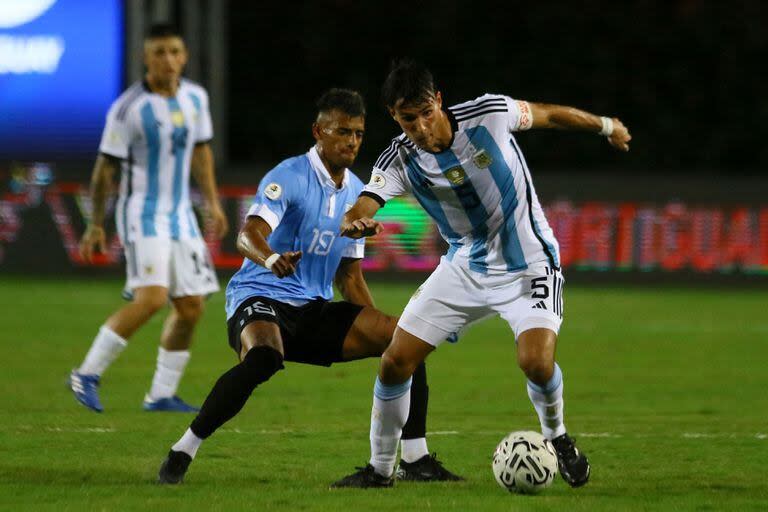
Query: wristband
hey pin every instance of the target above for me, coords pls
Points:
(607, 128)
(271, 261)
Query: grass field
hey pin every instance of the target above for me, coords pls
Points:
(666, 391)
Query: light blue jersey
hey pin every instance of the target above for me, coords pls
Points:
(302, 205)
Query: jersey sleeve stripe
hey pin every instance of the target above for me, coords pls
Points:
(481, 113)
(461, 109)
(132, 95)
(385, 154)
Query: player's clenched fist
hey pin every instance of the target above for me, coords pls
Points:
(360, 228)
(620, 136)
(93, 237)
(284, 264)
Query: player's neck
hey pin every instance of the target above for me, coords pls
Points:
(167, 89)
(337, 173)
(444, 134)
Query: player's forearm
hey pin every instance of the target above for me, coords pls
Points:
(254, 246)
(364, 207)
(204, 174)
(101, 184)
(560, 117)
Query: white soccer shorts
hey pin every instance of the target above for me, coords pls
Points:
(184, 267)
(454, 297)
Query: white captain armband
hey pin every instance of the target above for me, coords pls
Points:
(525, 120)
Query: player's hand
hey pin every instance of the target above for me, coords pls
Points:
(219, 221)
(285, 265)
(620, 137)
(94, 237)
(360, 228)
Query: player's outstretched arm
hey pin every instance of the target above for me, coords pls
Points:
(252, 244)
(351, 283)
(101, 184)
(205, 176)
(569, 118)
(358, 221)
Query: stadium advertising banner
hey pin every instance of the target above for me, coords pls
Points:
(60, 68)
(594, 236)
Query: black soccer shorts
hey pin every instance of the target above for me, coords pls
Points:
(312, 334)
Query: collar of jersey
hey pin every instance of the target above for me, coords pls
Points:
(322, 173)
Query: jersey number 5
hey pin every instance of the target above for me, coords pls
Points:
(539, 289)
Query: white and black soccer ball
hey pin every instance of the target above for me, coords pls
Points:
(525, 462)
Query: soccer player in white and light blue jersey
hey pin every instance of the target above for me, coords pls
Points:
(279, 303)
(466, 169)
(157, 133)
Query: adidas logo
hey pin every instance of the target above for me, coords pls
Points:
(539, 305)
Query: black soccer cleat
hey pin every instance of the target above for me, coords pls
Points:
(174, 467)
(364, 478)
(574, 466)
(426, 469)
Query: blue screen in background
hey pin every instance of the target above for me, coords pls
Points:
(61, 66)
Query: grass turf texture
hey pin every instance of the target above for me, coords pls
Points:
(665, 391)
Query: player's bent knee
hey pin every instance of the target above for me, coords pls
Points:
(395, 368)
(190, 309)
(537, 369)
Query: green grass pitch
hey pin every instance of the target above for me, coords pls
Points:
(666, 391)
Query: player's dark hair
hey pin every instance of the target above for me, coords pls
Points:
(161, 30)
(408, 81)
(345, 100)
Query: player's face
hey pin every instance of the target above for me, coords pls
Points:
(421, 122)
(165, 58)
(339, 137)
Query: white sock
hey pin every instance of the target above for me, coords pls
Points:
(548, 402)
(389, 413)
(170, 368)
(189, 443)
(412, 450)
(106, 346)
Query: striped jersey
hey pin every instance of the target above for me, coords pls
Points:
(154, 136)
(478, 191)
(301, 203)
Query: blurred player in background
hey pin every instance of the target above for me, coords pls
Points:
(466, 169)
(157, 133)
(278, 305)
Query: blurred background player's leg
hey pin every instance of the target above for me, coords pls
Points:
(111, 340)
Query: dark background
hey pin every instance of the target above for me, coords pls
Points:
(687, 77)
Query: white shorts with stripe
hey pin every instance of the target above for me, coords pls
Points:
(454, 297)
(183, 266)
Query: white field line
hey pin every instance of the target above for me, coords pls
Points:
(762, 436)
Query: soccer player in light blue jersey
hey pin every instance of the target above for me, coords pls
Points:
(157, 133)
(279, 303)
(464, 166)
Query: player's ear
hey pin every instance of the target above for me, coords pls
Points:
(439, 99)
(316, 131)
(392, 113)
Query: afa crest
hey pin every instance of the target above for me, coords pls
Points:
(482, 159)
(456, 175)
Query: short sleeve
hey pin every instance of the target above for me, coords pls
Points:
(203, 122)
(519, 115)
(275, 196)
(388, 178)
(117, 136)
(355, 250)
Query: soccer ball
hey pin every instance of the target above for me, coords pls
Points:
(524, 462)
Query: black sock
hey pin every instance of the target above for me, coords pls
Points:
(416, 426)
(232, 390)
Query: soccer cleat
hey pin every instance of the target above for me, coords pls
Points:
(86, 390)
(174, 468)
(426, 469)
(168, 404)
(364, 478)
(574, 466)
